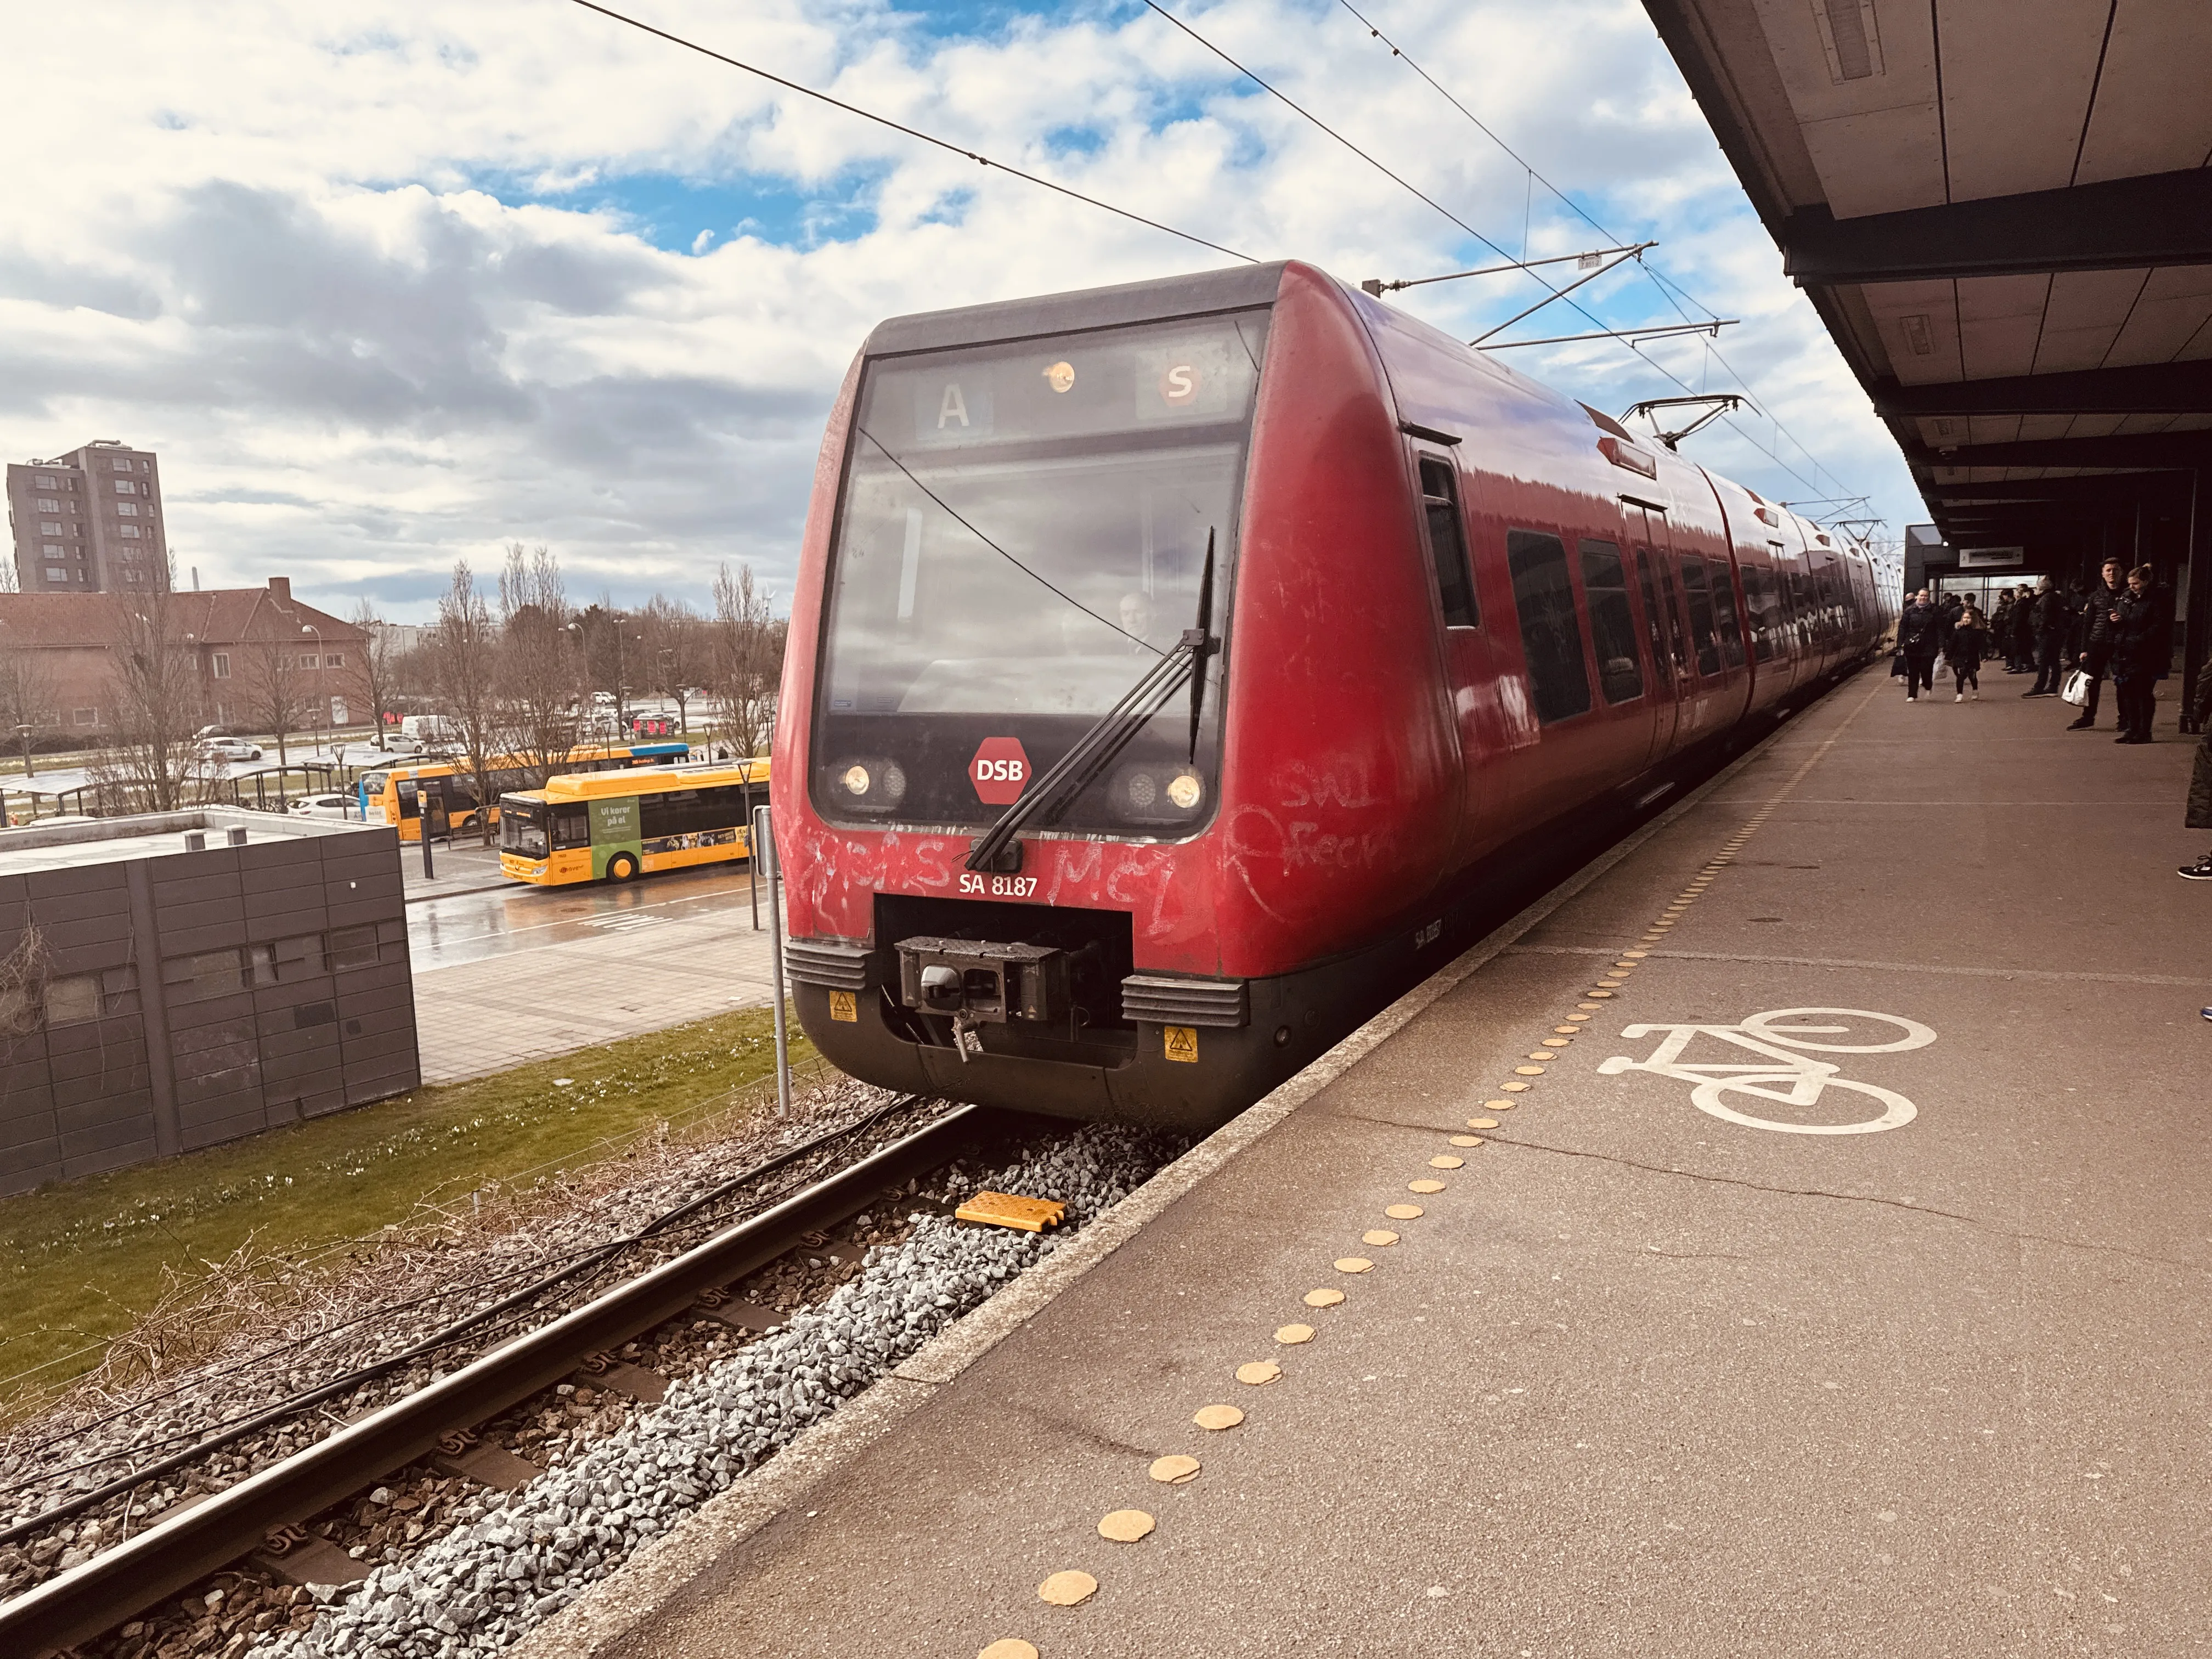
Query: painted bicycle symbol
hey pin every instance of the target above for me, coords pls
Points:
(1786, 1040)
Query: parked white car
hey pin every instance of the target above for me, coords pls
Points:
(230, 748)
(324, 806)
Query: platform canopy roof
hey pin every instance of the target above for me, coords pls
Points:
(2003, 211)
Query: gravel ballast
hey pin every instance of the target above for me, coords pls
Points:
(525, 1555)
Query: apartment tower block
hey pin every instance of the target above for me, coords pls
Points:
(88, 522)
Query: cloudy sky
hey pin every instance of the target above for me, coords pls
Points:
(390, 284)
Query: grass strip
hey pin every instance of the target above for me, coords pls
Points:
(82, 1260)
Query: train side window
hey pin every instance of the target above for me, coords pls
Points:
(1696, 590)
(1724, 614)
(1551, 633)
(1448, 543)
(1655, 629)
(1673, 612)
(1766, 611)
(1613, 628)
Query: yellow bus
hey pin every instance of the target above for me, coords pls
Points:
(609, 826)
(394, 795)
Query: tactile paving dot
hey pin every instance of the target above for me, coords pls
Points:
(1567, 1030)
(1636, 955)
(1294, 1334)
(1425, 1186)
(1258, 1373)
(1472, 1140)
(1067, 1590)
(1352, 1264)
(1490, 1106)
(1446, 1161)
(1125, 1526)
(1527, 1071)
(1009, 1647)
(1514, 1088)
(1324, 1297)
(1405, 1211)
(1557, 1042)
(1598, 994)
(1218, 1417)
(1175, 1470)
(1378, 1236)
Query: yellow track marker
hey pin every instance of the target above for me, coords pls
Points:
(1258, 1373)
(1176, 1470)
(1405, 1211)
(1557, 1042)
(1378, 1236)
(1067, 1590)
(1028, 1215)
(1446, 1161)
(1568, 1031)
(1597, 994)
(1527, 1071)
(1352, 1264)
(1009, 1647)
(1636, 955)
(1294, 1334)
(1324, 1297)
(1543, 1055)
(1125, 1526)
(1217, 1417)
(1425, 1186)
(1470, 1140)
(1489, 1122)
(1516, 1088)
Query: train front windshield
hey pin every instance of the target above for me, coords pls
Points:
(1023, 534)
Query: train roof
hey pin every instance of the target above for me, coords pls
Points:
(1237, 289)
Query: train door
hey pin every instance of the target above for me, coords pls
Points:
(1489, 732)
(1647, 528)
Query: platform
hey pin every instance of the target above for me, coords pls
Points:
(1644, 1376)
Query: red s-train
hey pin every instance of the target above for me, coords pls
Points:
(1429, 607)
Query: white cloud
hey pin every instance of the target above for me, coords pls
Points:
(387, 285)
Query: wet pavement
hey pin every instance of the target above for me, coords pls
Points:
(514, 973)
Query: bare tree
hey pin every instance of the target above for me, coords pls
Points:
(540, 660)
(747, 659)
(27, 695)
(468, 676)
(378, 662)
(156, 693)
(673, 651)
(277, 693)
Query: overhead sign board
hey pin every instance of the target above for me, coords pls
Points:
(1991, 558)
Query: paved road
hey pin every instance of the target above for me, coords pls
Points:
(518, 973)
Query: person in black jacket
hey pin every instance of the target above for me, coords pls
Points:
(2049, 618)
(2198, 815)
(2143, 641)
(1920, 633)
(2092, 650)
(1962, 649)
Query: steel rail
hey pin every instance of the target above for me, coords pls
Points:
(98, 1595)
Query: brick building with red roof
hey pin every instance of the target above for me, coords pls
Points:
(264, 657)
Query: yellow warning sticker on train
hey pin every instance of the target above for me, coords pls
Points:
(1028, 1215)
(844, 1005)
(1182, 1043)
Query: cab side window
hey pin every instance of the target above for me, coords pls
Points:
(1448, 543)
(1551, 633)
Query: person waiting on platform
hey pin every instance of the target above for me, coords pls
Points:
(2199, 813)
(1919, 639)
(2050, 621)
(2142, 645)
(1963, 648)
(2094, 636)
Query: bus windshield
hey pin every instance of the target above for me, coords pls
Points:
(1023, 534)
(522, 826)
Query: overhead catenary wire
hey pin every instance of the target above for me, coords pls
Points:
(1669, 290)
(944, 144)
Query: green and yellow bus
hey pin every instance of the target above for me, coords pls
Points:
(394, 795)
(615, 826)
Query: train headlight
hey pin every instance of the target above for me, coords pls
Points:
(1156, 795)
(1186, 790)
(869, 783)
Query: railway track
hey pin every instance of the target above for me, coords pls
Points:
(99, 1595)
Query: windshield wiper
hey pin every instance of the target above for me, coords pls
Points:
(1095, 749)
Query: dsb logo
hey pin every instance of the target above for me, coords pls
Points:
(998, 771)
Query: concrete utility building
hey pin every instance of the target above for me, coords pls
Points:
(179, 979)
(89, 521)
